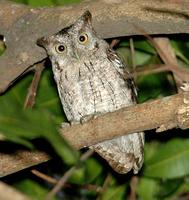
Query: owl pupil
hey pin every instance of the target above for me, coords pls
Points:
(82, 38)
(61, 48)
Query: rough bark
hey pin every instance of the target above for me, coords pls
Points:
(161, 114)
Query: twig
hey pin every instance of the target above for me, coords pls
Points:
(150, 69)
(44, 176)
(30, 98)
(114, 43)
(104, 187)
(133, 57)
(67, 175)
(167, 54)
(52, 180)
(133, 185)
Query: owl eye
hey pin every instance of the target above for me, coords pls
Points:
(83, 38)
(60, 48)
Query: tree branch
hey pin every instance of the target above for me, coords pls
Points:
(8, 193)
(162, 114)
(22, 25)
(146, 116)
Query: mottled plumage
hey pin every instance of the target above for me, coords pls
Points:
(91, 79)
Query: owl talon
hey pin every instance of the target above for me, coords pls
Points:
(185, 89)
(65, 124)
(86, 118)
(69, 124)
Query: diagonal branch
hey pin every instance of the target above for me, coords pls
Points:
(168, 112)
(22, 25)
(8, 193)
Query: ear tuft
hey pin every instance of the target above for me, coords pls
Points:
(42, 42)
(87, 17)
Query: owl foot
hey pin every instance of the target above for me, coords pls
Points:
(65, 124)
(185, 89)
(69, 124)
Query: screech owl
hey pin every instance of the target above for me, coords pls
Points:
(91, 79)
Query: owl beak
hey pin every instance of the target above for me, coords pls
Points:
(76, 55)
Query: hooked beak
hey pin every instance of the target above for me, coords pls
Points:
(76, 55)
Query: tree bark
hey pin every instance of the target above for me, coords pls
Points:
(161, 114)
(22, 25)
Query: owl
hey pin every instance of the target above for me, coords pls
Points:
(92, 80)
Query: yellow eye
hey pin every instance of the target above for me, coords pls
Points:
(60, 48)
(83, 38)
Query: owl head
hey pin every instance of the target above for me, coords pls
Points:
(72, 43)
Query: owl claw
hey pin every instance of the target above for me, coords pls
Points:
(185, 89)
(65, 124)
(69, 124)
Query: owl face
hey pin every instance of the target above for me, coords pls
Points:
(72, 43)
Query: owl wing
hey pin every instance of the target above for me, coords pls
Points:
(126, 152)
(122, 71)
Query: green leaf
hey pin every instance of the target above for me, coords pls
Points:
(170, 161)
(181, 48)
(144, 45)
(38, 3)
(147, 189)
(32, 189)
(141, 45)
(47, 96)
(21, 126)
(140, 57)
(168, 187)
(116, 192)
(154, 85)
(180, 191)
(93, 170)
(150, 148)
(78, 176)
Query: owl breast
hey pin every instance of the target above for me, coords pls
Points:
(91, 88)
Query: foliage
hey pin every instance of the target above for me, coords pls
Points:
(166, 167)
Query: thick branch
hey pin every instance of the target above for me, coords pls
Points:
(146, 116)
(168, 112)
(22, 26)
(8, 193)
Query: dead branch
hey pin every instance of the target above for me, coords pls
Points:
(19, 160)
(141, 117)
(168, 112)
(9, 193)
(167, 54)
(49, 179)
(67, 175)
(22, 26)
(32, 91)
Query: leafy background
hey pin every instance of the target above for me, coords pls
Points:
(166, 166)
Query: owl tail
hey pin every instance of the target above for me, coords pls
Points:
(123, 153)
